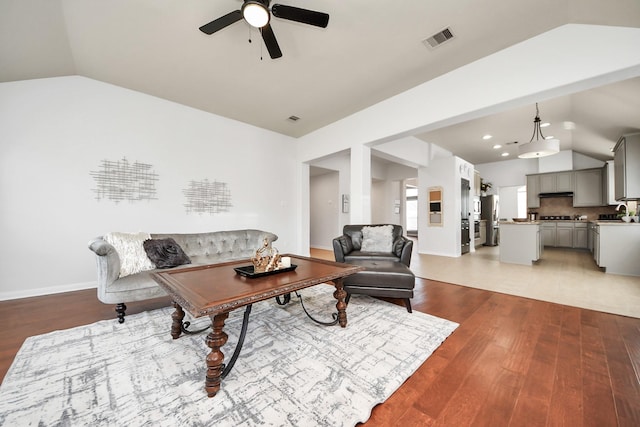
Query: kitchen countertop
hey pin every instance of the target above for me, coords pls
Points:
(519, 222)
(614, 222)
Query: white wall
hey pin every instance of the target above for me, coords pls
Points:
(326, 205)
(504, 80)
(507, 173)
(53, 132)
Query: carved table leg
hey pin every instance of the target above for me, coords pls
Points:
(176, 325)
(215, 340)
(341, 305)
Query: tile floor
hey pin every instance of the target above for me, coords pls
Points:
(563, 276)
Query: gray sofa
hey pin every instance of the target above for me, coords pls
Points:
(201, 248)
(385, 274)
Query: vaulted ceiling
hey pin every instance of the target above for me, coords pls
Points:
(371, 50)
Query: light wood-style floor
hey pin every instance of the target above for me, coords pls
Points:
(512, 362)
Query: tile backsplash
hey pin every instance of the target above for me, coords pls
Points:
(564, 206)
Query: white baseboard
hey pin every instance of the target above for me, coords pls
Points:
(50, 290)
(324, 248)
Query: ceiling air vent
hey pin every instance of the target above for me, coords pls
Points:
(438, 38)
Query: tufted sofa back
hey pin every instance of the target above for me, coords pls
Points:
(219, 246)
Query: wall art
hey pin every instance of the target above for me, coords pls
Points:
(207, 197)
(121, 180)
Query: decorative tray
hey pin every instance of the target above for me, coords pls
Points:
(247, 271)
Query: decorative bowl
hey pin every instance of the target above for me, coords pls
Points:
(626, 218)
(520, 219)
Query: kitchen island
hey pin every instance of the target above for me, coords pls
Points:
(616, 247)
(520, 242)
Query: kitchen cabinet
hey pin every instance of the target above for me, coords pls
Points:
(564, 235)
(556, 182)
(616, 248)
(519, 242)
(533, 189)
(587, 187)
(608, 184)
(548, 232)
(596, 244)
(626, 162)
(476, 183)
(580, 235)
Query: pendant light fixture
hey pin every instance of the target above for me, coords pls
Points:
(540, 147)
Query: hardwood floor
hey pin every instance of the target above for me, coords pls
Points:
(513, 361)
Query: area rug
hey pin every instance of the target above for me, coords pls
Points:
(291, 371)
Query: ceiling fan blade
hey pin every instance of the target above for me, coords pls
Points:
(306, 16)
(222, 22)
(271, 42)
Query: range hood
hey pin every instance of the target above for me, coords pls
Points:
(559, 194)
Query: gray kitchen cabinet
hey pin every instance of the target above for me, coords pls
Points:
(548, 231)
(616, 248)
(587, 187)
(533, 188)
(556, 182)
(564, 181)
(596, 244)
(580, 236)
(626, 162)
(564, 235)
(519, 242)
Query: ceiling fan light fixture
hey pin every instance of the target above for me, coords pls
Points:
(538, 147)
(255, 13)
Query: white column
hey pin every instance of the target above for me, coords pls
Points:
(360, 197)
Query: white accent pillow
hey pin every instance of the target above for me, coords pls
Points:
(133, 258)
(377, 239)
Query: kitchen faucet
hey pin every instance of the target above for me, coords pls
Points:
(626, 208)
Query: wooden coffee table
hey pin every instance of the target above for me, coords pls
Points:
(215, 290)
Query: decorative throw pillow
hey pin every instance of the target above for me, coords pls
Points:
(133, 258)
(377, 239)
(165, 253)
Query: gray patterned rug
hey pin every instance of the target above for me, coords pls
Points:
(291, 371)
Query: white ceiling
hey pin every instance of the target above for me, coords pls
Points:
(371, 50)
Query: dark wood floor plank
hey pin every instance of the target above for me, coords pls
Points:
(513, 361)
(597, 395)
(532, 406)
(622, 373)
(566, 399)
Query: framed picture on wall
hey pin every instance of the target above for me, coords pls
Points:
(435, 206)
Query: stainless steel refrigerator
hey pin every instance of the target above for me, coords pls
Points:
(489, 211)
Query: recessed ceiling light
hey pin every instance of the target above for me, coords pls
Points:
(505, 154)
(487, 136)
(495, 147)
(545, 124)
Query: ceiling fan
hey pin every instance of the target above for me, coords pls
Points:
(256, 13)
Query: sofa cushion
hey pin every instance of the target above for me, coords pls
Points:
(165, 253)
(133, 258)
(377, 239)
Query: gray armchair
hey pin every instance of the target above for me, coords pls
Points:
(386, 274)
